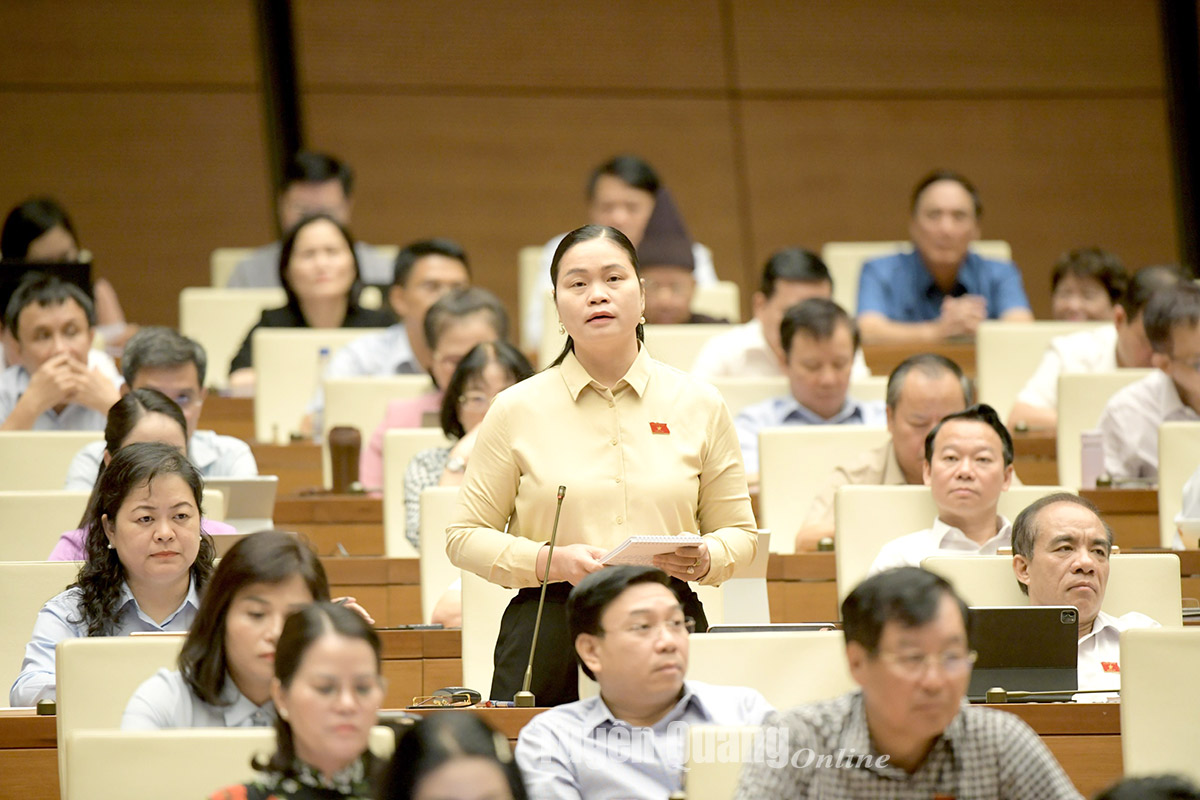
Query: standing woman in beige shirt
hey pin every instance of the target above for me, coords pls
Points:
(643, 449)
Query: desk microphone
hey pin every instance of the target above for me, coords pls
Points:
(525, 698)
(999, 695)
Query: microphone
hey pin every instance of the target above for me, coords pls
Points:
(999, 695)
(525, 698)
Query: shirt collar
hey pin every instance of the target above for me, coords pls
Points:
(1170, 403)
(856, 737)
(930, 289)
(598, 712)
(576, 377)
(238, 709)
(790, 406)
(202, 450)
(942, 531)
(1102, 622)
(192, 599)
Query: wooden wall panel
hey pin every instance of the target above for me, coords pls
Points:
(152, 180)
(501, 173)
(947, 45)
(1053, 174)
(127, 41)
(626, 44)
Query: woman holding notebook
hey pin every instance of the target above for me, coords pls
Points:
(642, 449)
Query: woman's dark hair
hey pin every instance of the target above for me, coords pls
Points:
(631, 170)
(102, 573)
(1092, 263)
(585, 234)
(269, 557)
(285, 256)
(472, 366)
(124, 415)
(29, 221)
(439, 739)
(299, 632)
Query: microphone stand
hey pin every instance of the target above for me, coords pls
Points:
(525, 698)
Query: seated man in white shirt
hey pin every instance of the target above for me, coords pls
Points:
(1061, 548)
(1123, 345)
(631, 636)
(819, 340)
(53, 386)
(921, 390)
(968, 463)
(1172, 392)
(165, 360)
(753, 349)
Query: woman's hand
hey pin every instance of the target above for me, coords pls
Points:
(572, 562)
(352, 604)
(689, 563)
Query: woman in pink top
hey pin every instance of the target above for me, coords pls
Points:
(143, 415)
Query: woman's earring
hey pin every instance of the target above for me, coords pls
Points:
(561, 328)
(110, 546)
(642, 321)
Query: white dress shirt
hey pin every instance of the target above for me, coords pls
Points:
(1130, 425)
(1100, 653)
(1083, 351)
(941, 539)
(166, 701)
(216, 456)
(743, 352)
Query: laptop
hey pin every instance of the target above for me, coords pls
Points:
(1027, 649)
(249, 502)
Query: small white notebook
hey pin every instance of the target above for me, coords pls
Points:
(641, 550)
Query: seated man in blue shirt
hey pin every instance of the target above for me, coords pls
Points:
(819, 341)
(940, 290)
(631, 636)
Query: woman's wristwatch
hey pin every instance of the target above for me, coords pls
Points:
(455, 464)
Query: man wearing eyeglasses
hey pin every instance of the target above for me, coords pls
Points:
(905, 733)
(1172, 392)
(165, 360)
(631, 636)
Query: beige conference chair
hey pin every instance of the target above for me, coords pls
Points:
(222, 263)
(989, 581)
(287, 363)
(845, 261)
(529, 280)
(868, 517)
(31, 522)
(399, 447)
(174, 763)
(219, 320)
(722, 300)
(740, 392)
(1160, 713)
(38, 460)
(24, 589)
(1007, 353)
(1178, 457)
(678, 345)
(95, 678)
(794, 466)
(437, 573)
(1081, 401)
(715, 757)
(361, 403)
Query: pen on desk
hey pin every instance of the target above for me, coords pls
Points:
(342, 551)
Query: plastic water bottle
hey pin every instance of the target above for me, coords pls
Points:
(318, 429)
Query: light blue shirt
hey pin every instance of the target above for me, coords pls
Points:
(902, 289)
(786, 410)
(581, 750)
(61, 619)
(74, 417)
(166, 701)
(216, 456)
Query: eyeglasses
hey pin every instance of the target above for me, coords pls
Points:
(476, 400)
(680, 626)
(915, 665)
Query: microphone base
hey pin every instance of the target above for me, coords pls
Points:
(524, 700)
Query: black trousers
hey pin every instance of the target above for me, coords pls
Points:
(555, 669)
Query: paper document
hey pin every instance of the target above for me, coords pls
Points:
(641, 550)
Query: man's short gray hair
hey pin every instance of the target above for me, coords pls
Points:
(158, 347)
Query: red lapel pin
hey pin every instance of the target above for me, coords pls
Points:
(659, 427)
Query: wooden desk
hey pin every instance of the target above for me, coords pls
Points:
(298, 465)
(229, 416)
(1132, 513)
(390, 588)
(1035, 457)
(417, 663)
(354, 521)
(883, 358)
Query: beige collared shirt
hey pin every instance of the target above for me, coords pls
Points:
(623, 479)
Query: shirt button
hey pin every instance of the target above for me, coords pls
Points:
(618, 480)
(614, 442)
(620, 520)
(610, 404)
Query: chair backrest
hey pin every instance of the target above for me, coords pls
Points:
(1178, 457)
(845, 260)
(1007, 353)
(95, 678)
(868, 517)
(38, 460)
(437, 573)
(794, 466)
(174, 763)
(743, 598)
(31, 522)
(740, 392)
(223, 261)
(989, 581)
(1081, 401)
(483, 605)
(1160, 717)
(678, 345)
(715, 755)
(789, 668)
(219, 320)
(24, 589)
(399, 447)
(287, 363)
(529, 279)
(871, 389)
(361, 403)
(722, 300)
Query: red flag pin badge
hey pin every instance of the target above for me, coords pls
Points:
(1110, 666)
(659, 427)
